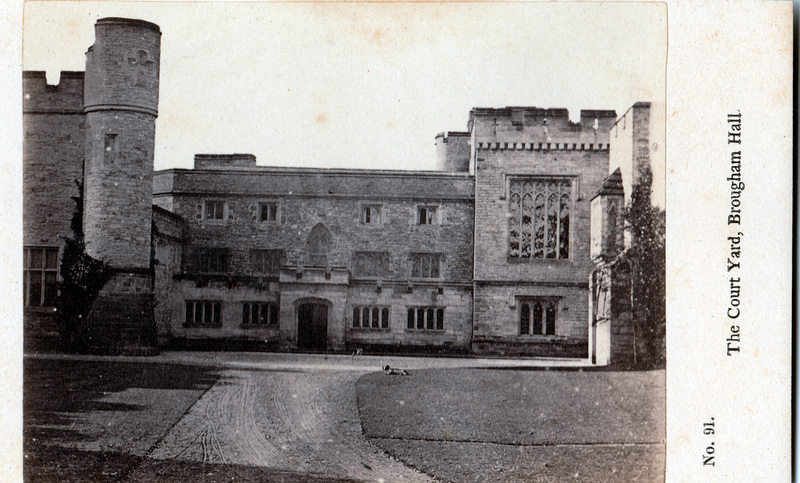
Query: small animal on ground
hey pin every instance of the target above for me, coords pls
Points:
(394, 371)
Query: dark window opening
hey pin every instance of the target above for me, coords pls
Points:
(426, 318)
(206, 260)
(215, 210)
(371, 317)
(259, 313)
(426, 215)
(371, 214)
(40, 277)
(538, 316)
(203, 313)
(385, 318)
(269, 211)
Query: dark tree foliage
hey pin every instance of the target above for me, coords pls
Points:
(82, 277)
(647, 261)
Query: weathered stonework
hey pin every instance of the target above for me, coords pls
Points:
(329, 259)
(53, 153)
(530, 143)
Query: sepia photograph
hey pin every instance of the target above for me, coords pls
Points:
(344, 242)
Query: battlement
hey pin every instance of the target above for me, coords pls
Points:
(538, 125)
(39, 97)
(210, 161)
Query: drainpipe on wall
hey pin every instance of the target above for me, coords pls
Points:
(592, 316)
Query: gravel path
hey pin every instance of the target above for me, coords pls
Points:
(213, 417)
(304, 422)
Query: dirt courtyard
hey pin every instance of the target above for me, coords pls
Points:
(281, 417)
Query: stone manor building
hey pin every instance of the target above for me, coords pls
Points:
(494, 252)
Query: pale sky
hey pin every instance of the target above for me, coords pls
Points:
(363, 85)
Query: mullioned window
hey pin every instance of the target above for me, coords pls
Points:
(539, 218)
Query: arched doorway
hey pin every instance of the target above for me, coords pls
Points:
(312, 326)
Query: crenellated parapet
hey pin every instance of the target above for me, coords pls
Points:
(39, 97)
(552, 145)
(535, 127)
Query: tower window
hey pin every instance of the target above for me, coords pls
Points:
(537, 316)
(539, 218)
(110, 147)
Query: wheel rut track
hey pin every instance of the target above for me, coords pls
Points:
(303, 422)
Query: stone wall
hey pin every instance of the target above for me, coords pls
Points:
(122, 67)
(52, 161)
(53, 152)
(121, 105)
(634, 145)
(303, 206)
(497, 315)
(529, 143)
(226, 161)
(306, 199)
(167, 246)
(453, 151)
(118, 188)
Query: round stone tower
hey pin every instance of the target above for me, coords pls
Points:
(121, 106)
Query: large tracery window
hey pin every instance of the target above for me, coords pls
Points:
(539, 210)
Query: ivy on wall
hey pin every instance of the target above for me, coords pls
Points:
(647, 262)
(82, 278)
